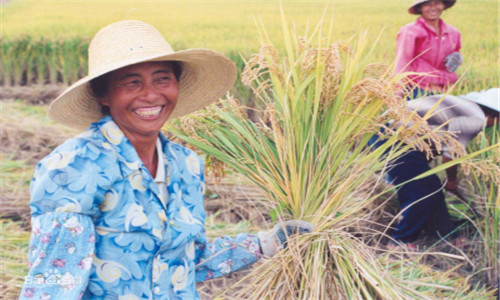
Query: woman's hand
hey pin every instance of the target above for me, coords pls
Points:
(453, 61)
(275, 239)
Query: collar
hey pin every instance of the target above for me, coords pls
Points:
(124, 151)
(160, 170)
(442, 25)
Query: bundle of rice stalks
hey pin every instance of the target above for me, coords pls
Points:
(321, 103)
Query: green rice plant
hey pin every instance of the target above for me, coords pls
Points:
(20, 52)
(13, 54)
(5, 63)
(29, 60)
(321, 103)
(29, 71)
(72, 59)
(52, 61)
(40, 61)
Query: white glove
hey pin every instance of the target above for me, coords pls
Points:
(275, 239)
(453, 61)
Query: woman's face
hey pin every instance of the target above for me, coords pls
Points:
(141, 97)
(431, 10)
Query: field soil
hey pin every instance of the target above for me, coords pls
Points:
(32, 94)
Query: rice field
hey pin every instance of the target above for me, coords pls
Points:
(44, 43)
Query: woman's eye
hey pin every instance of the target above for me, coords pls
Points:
(132, 84)
(163, 79)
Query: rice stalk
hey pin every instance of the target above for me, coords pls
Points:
(5, 63)
(52, 62)
(41, 61)
(21, 54)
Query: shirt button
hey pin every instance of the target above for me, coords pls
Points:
(171, 222)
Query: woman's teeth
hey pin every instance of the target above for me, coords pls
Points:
(149, 111)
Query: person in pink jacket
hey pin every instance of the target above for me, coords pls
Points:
(429, 46)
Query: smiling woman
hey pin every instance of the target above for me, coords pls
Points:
(117, 211)
(430, 46)
(140, 98)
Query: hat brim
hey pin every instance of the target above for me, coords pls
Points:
(489, 98)
(447, 4)
(206, 76)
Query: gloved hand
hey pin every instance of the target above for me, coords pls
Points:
(275, 239)
(453, 61)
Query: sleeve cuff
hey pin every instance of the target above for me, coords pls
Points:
(268, 245)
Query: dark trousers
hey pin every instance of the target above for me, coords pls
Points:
(417, 93)
(422, 201)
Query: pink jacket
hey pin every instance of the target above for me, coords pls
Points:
(420, 49)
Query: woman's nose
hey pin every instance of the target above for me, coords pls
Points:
(150, 92)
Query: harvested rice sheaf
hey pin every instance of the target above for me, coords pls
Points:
(320, 103)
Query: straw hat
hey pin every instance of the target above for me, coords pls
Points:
(489, 98)
(206, 75)
(411, 10)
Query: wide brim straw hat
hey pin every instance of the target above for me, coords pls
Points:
(489, 98)
(206, 75)
(411, 10)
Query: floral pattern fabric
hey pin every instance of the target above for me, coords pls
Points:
(100, 229)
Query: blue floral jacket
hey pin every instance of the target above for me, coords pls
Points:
(100, 229)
